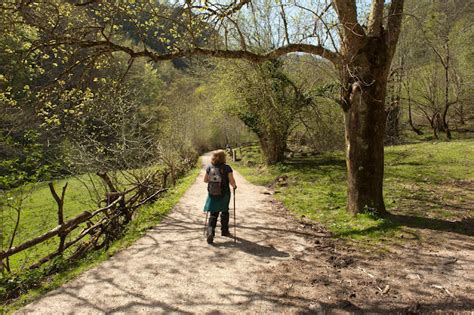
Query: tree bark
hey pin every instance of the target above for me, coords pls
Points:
(365, 119)
(365, 125)
(410, 117)
(446, 96)
(364, 71)
(273, 148)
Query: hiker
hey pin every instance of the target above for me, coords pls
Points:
(228, 148)
(218, 176)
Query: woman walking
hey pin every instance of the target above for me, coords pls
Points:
(218, 176)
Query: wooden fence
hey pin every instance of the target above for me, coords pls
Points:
(96, 229)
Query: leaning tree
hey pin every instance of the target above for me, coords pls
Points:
(358, 37)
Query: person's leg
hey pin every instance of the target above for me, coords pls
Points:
(225, 223)
(212, 226)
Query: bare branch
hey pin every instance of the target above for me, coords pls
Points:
(347, 12)
(285, 23)
(235, 7)
(395, 17)
(374, 26)
(218, 53)
(320, 18)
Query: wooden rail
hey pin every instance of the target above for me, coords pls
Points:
(102, 225)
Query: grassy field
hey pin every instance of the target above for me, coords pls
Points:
(426, 184)
(146, 217)
(38, 214)
(38, 211)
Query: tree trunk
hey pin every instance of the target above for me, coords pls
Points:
(273, 148)
(435, 125)
(410, 117)
(460, 113)
(364, 126)
(446, 98)
(364, 104)
(392, 134)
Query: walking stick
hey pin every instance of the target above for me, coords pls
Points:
(235, 231)
(205, 223)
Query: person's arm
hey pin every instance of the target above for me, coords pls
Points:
(206, 178)
(232, 180)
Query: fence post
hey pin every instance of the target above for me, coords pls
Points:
(60, 202)
(234, 155)
(165, 179)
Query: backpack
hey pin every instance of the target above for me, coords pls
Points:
(216, 183)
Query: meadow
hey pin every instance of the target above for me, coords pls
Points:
(427, 184)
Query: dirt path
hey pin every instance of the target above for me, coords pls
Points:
(172, 269)
(279, 265)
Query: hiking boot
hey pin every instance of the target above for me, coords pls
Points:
(210, 235)
(226, 233)
(211, 227)
(225, 223)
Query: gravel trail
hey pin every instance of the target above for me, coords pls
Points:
(173, 270)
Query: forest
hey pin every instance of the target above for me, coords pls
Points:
(356, 117)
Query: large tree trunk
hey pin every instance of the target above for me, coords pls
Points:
(367, 54)
(273, 148)
(365, 124)
(365, 119)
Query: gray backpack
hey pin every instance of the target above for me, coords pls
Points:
(215, 186)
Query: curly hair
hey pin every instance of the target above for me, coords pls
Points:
(218, 157)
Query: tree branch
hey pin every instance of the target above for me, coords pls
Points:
(395, 17)
(218, 53)
(285, 23)
(235, 7)
(374, 26)
(347, 12)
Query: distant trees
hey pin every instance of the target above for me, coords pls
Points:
(265, 100)
(362, 53)
(438, 65)
(357, 38)
(63, 111)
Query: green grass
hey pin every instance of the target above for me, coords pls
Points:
(39, 211)
(424, 185)
(39, 214)
(145, 218)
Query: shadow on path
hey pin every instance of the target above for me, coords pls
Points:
(252, 248)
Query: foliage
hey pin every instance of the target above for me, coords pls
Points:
(193, 115)
(433, 61)
(265, 100)
(320, 126)
(26, 161)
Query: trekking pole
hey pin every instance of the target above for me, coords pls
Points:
(235, 231)
(205, 223)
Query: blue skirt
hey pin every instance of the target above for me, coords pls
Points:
(216, 204)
